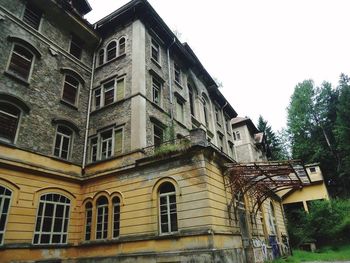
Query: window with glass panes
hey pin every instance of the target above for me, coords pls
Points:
(177, 73)
(21, 62)
(180, 110)
(167, 208)
(32, 16)
(70, 89)
(108, 89)
(62, 142)
(116, 216)
(52, 219)
(108, 93)
(88, 220)
(156, 87)
(102, 218)
(9, 118)
(111, 50)
(101, 57)
(5, 198)
(121, 46)
(155, 51)
(157, 135)
(106, 144)
(190, 94)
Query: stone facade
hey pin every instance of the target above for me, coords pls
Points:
(194, 164)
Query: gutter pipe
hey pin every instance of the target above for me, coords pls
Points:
(170, 80)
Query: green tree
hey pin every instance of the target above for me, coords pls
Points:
(311, 119)
(342, 132)
(276, 151)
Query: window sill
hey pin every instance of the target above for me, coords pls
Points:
(158, 107)
(17, 78)
(61, 159)
(111, 61)
(181, 123)
(195, 122)
(178, 84)
(107, 106)
(156, 63)
(68, 104)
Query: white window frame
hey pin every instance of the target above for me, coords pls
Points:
(238, 136)
(168, 212)
(3, 198)
(99, 140)
(61, 144)
(155, 46)
(109, 144)
(116, 50)
(159, 89)
(102, 90)
(105, 207)
(9, 62)
(116, 204)
(65, 217)
(177, 72)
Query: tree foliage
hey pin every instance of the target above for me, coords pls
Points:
(312, 116)
(276, 150)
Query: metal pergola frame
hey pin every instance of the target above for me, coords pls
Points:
(260, 180)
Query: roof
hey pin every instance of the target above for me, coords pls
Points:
(238, 121)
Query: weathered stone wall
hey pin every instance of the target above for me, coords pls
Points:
(44, 91)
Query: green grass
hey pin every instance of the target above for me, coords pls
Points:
(324, 254)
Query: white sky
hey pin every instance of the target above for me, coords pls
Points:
(259, 49)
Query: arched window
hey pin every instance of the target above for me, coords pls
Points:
(63, 141)
(116, 216)
(101, 57)
(70, 90)
(102, 218)
(52, 219)
(167, 208)
(21, 62)
(238, 135)
(121, 45)
(273, 223)
(206, 110)
(5, 197)
(111, 50)
(9, 119)
(88, 220)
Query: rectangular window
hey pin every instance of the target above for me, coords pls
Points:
(155, 51)
(218, 116)
(180, 111)
(177, 73)
(9, 118)
(32, 16)
(156, 87)
(227, 123)
(108, 92)
(70, 89)
(232, 151)
(157, 135)
(76, 47)
(62, 142)
(221, 142)
(106, 144)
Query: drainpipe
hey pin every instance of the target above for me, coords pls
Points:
(170, 80)
(89, 102)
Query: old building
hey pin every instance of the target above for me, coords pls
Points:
(114, 142)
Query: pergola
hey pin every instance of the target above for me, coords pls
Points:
(260, 180)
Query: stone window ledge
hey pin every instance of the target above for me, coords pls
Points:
(15, 77)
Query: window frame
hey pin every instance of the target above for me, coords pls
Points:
(156, 47)
(88, 221)
(104, 225)
(51, 233)
(118, 51)
(115, 50)
(78, 43)
(102, 91)
(19, 118)
(76, 99)
(114, 205)
(177, 74)
(167, 196)
(3, 198)
(180, 106)
(70, 146)
(14, 73)
(158, 88)
(161, 138)
(40, 17)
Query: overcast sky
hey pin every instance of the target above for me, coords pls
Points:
(259, 50)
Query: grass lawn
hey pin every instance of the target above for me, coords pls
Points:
(323, 254)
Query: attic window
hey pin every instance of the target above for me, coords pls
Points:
(313, 169)
(32, 16)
